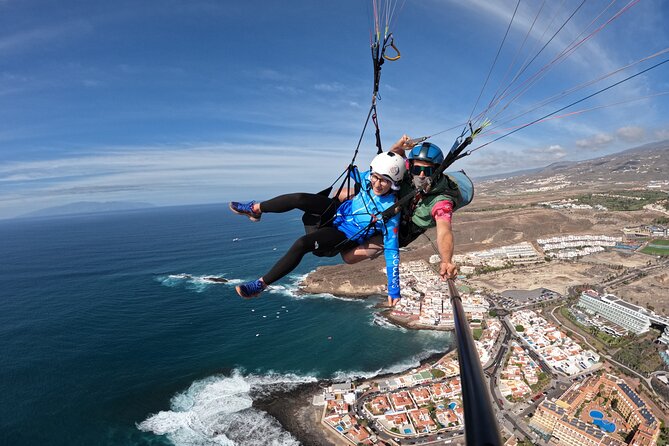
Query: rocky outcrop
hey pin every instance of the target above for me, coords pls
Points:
(216, 279)
(362, 280)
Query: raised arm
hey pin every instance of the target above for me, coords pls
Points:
(401, 146)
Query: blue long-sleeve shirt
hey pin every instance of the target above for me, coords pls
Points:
(354, 217)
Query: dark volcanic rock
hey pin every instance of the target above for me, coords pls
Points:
(293, 409)
(216, 279)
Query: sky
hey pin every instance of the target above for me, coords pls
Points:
(201, 101)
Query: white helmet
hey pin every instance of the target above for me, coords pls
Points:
(390, 165)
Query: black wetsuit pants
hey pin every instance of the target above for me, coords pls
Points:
(322, 239)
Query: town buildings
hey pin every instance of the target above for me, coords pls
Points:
(426, 300)
(570, 246)
(646, 231)
(519, 373)
(555, 348)
(628, 316)
(570, 203)
(664, 339)
(571, 420)
(518, 254)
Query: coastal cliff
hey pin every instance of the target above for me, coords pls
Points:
(357, 281)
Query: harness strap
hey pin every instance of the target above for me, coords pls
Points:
(379, 150)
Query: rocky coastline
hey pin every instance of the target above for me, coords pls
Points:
(294, 410)
(358, 281)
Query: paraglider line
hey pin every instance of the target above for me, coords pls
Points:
(570, 105)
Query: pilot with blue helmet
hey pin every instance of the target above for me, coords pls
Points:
(432, 208)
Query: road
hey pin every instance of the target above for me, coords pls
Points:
(643, 379)
(512, 421)
(635, 273)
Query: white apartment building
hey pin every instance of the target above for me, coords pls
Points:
(517, 254)
(630, 317)
(665, 336)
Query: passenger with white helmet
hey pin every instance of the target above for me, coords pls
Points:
(344, 224)
(434, 207)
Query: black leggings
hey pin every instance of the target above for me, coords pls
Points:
(311, 203)
(325, 238)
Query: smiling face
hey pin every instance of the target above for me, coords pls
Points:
(380, 184)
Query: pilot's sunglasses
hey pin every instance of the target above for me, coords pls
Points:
(416, 170)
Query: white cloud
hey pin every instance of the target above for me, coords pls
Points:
(331, 87)
(597, 56)
(288, 89)
(595, 142)
(631, 134)
(662, 134)
(25, 40)
(509, 158)
(544, 154)
(555, 151)
(547, 23)
(174, 175)
(269, 74)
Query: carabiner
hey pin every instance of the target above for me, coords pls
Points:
(392, 45)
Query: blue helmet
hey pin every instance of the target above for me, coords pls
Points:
(428, 152)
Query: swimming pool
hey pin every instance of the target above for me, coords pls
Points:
(598, 420)
(407, 431)
(607, 426)
(452, 406)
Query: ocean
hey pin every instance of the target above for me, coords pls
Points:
(111, 335)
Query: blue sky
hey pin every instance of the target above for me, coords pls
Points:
(201, 101)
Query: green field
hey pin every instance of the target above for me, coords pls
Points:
(632, 200)
(655, 251)
(657, 248)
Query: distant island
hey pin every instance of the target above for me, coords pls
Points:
(88, 207)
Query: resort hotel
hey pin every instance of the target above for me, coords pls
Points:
(628, 316)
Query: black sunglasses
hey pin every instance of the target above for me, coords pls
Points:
(416, 170)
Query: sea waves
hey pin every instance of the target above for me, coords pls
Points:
(399, 367)
(295, 290)
(379, 320)
(196, 283)
(217, 411)
(291, 287)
